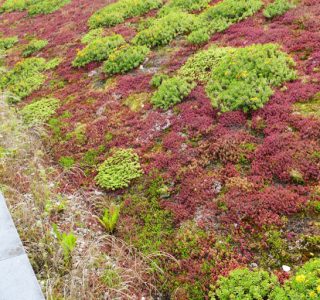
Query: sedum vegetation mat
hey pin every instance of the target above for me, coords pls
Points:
(196, 124)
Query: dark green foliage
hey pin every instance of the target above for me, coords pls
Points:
(125, 59)
(34, 46)
(117, 12)
(7, 43)
(171, 92)
(98, 50)
(119, 170)
(277, 8)
(34, 7)
(245, 284)
(40, 111)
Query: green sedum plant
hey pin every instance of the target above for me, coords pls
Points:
(198, 37)
(200, 65)
(244, 77)
(277, 8)
(219, 17)
(40, 111)
(119, 170)
(34, 46)
(125, 59)
(110, 218)
(117, 12)
(237, 78)
(184, 5)
(157, 79)
(34, 7)
(305, 285)
(92, 35)
(244, 284)
(171, 92)
(25, 77)
(98, 50)
(163, 30)
(8, 42)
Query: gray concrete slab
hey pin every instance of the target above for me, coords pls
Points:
(10, 244)
(17, 279)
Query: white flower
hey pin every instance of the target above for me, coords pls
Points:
(286, 268)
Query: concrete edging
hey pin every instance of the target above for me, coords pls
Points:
(17, 279)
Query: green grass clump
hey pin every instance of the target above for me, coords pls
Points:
(40, 111)
(125, 59)
(25, 77)
(34, 46)
(171, 92)
(163, 30)
(245, 284)
(277, 8)
(244, 77)
(220, 16)
(98, 50)
(119, 170)
(117, 12)
(34, 7)
(7, 43)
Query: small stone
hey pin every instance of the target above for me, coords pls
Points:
(286, 268)
(253, 265)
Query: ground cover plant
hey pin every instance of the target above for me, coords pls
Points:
(34, 46)
(34, 7)
(277, 8)
(7, 43)
(39, 111)
(98, 50)
(164, 149)
(235, 78)
(116, 13)
(25, 77)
